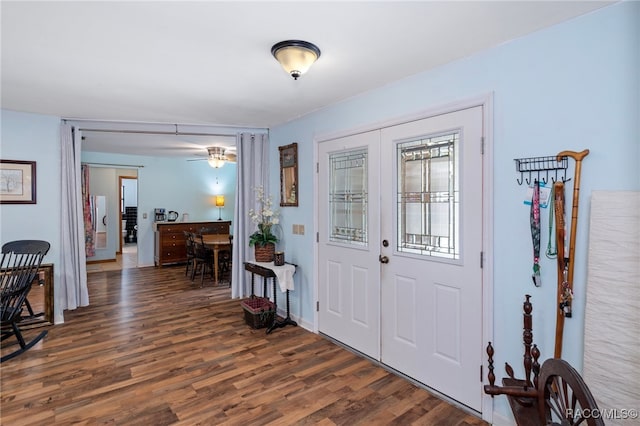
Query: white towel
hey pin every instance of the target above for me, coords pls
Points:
(284, 274)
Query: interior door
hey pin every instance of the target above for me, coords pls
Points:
(431, 218)
(349, 235)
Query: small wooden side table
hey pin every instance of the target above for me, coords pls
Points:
(267, 273)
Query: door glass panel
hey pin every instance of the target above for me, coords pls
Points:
(348, 197)
(428, 196)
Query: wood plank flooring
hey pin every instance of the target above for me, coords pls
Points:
(154, 349)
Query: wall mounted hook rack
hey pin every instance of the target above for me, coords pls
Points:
(541, 169)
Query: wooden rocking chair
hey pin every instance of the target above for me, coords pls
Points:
(18, 269)
(555, 395)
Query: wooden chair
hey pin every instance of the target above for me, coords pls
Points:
(191, 253)
(18, 269)
(203, 260)
(225, 259)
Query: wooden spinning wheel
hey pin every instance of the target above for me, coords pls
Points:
(564, 398)
(551, 395)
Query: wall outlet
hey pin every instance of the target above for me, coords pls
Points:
(144, 215)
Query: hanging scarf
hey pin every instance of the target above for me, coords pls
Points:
(552, 250)
(535, 232)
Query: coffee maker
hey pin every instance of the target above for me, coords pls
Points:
(160, 214)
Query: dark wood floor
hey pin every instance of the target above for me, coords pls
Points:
(153, 349)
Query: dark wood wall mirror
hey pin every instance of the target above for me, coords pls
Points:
(289, 175)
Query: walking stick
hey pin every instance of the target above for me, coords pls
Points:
(566, 265)
(558, 191)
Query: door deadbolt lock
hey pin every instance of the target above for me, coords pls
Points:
(383, 259)
(385, 243)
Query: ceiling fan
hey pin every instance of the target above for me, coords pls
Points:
(217, 156)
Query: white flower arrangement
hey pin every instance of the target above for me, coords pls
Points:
(265, 217)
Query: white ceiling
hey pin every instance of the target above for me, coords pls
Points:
(210, 62)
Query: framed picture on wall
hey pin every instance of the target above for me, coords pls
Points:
(17, 182)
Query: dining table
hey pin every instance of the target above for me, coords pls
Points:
(216, 242)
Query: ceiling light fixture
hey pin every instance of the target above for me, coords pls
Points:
(216, 157)
(295, 56)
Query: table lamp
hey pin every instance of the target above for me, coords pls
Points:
(219, 205)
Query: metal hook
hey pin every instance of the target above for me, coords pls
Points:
(544, 179)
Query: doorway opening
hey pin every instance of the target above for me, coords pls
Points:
(128, 241)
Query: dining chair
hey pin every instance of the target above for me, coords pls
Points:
(191, 253)
(225, 258)
(203, 260)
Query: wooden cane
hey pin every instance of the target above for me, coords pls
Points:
(569, 265)
(558, 191)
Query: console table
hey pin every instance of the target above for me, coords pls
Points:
(169, 241)
(266, 271)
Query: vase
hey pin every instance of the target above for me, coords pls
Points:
(265, 253)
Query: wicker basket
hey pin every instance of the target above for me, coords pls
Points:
(265, 253)
(259, 312)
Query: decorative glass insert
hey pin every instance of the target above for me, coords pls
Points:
(348, 197)
(428, 196)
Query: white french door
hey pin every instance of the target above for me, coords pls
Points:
(400, 237)
(431, 288)
(349, 235)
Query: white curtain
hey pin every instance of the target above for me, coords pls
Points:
(252, 171)
(73, 268)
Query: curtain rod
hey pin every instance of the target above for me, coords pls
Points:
(152, 123)
(158, 132)
(114, 165)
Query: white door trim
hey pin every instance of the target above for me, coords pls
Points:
(486, 102)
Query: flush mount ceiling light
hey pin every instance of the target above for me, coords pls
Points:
(216, 156)
(295, 56)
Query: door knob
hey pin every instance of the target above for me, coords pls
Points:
(383, 259)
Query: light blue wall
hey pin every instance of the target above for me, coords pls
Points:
(569, 87)
(173, 184)
(33, 137)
